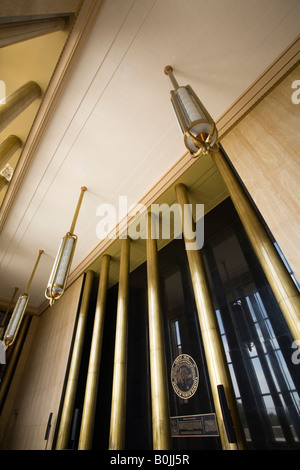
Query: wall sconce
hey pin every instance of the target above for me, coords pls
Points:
(198, 127)
(19, 311)
(60, 271)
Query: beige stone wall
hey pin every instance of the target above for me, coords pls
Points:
(265, 150)
(38, 381)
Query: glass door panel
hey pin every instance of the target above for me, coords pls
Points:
(256, 338)
(192, 415)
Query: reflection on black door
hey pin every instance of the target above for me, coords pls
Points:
(257, 341)
(192, 416)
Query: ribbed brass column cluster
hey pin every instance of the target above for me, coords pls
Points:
(219, 376)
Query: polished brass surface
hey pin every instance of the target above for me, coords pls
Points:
(283, 287)
(33, 271)
(3, 182)
(17, 102)
(3, 323)
(118, 404)
(159, 392)
(13, 359)
(7, 148)
(72, 228)
(69, 399)
(168, 70)
(212, 342)
(90, 398)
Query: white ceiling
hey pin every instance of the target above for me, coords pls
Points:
(114, 130)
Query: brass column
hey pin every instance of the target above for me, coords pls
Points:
(68, 406)
(7, 148)
(118, 404)
(90, 399)
(212, 342)
(3, 182)
(159, 392)
(13, 359)
(283, 287)
(3, 323)
(17, 102)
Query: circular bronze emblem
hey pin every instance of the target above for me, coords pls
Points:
(184, 376)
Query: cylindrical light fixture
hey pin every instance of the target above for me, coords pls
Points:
(198, 127)
(62, 264)
(19, 310)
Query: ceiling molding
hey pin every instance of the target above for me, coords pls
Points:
(70, 55)
(263, 85)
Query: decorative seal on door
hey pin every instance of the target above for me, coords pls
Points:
(184, 376)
